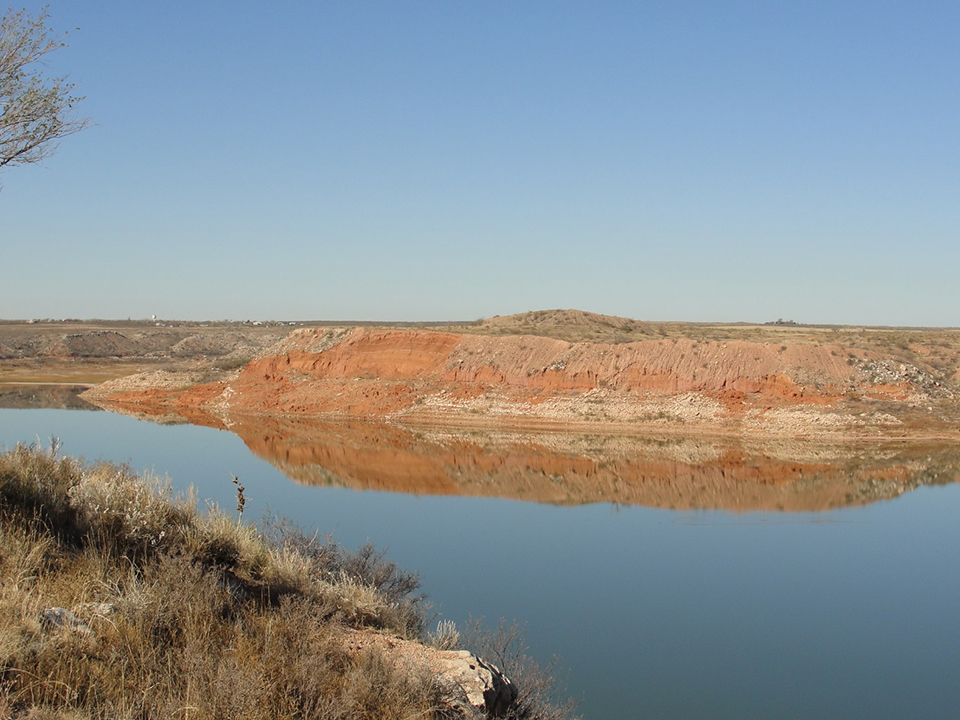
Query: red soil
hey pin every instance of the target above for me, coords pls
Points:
(378, 373)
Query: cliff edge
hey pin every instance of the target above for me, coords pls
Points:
(471, 376)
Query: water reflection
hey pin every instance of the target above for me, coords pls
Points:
(47, 396)
(557, 468)
(657, 614)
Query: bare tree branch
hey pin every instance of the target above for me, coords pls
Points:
(35, 111)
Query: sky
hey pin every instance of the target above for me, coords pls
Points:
(451, 160)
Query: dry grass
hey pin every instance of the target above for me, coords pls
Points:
(174, 613)
(183, 614)
(577, 326)
(569, 325)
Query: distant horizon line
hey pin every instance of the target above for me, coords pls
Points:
(456, 323)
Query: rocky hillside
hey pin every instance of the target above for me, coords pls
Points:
(93, 351)
(834, 381)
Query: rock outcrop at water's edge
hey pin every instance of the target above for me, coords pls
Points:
(416, 375)
(476, 683)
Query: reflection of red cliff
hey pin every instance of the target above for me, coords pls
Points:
(381, 372)
(380, 457)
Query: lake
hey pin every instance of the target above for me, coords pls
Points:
(675, 578)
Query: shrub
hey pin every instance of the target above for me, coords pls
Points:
(173, 613)
(180, 613)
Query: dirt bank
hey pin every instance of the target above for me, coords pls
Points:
(901, 386)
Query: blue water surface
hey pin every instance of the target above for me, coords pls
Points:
(846, 614)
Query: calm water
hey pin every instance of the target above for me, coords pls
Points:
(656, 613)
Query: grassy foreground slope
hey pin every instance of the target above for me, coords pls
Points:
(119, 600)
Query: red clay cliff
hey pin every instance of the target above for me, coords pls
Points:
(417, 375)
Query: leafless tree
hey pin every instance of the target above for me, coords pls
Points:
(35, 111)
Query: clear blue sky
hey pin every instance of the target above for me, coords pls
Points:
(715, 161)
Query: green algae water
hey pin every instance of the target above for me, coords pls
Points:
(846, 609)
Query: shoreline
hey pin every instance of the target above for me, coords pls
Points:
(561, 371)
(724, 430)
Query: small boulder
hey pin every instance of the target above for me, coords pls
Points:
(486, 688)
